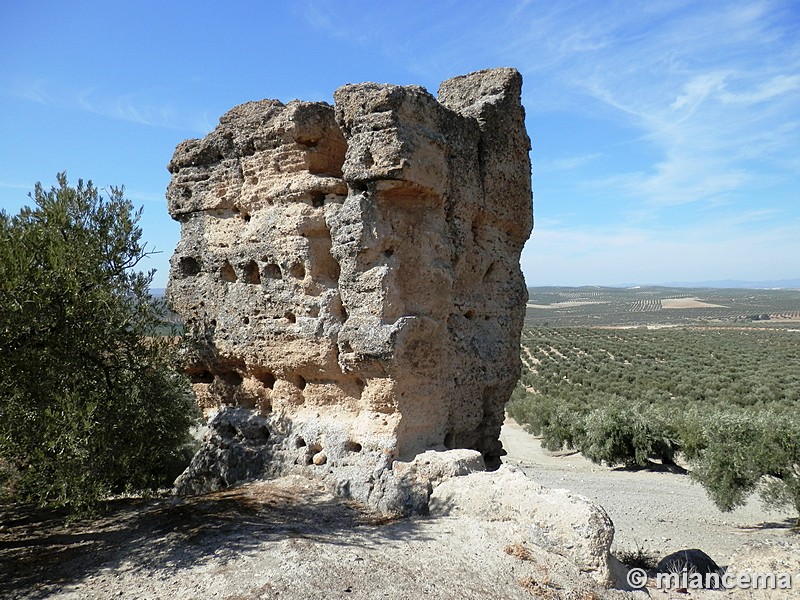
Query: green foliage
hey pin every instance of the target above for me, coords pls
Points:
(641, 306)
(629, 435)
(91, 401)
(723, 398)
(746, 451)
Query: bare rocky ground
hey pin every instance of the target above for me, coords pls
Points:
(285, 538)
(289, 538)
(659, 512)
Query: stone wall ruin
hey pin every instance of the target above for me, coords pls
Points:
(350, 278)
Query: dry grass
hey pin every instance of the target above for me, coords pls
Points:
(536, 589)
(638, 558)
(518, 550)
(540, 588)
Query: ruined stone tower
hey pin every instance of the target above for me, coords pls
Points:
(350, 275)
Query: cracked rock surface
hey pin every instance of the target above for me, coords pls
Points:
(350, 277)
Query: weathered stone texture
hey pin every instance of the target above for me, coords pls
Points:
(557, 521)
(351, 277)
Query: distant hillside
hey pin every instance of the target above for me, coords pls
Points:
(662, 305)
(730, 284)
(739, 284)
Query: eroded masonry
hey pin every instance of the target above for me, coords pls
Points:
(350, 277)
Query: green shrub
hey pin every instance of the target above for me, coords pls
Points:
(561, 426)
(723, 399)
(745, 452)
(91, 400)
(546, 417)
(630, 435)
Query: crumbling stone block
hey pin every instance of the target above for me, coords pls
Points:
(350, 276)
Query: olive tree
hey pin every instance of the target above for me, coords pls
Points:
(92, 401)
(742, 452)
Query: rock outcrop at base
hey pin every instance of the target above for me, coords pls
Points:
(770, 568)
(350, 278)
(555, 520)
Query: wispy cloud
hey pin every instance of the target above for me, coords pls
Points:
(321, 18)
(34, 90)
(16, 186)
(751, 246)
(564, 164)
(136, 196)
(708, 95)
(697, 90)
(777, 86)
(328, 18)
(142, 107)
(711, 87)
(677, 180)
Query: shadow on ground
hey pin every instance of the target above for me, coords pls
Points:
(791, 524)
(653, 467)
(39, 555)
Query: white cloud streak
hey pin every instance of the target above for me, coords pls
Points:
(710, 86)
(564, 164)
(711, 91)
(135, 196)
(706, 84)
(142, 108)
(748, 247)
(139, 108)
(16, 186)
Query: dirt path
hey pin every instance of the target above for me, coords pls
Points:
(289, 538)
(660, 512)
(283, 538)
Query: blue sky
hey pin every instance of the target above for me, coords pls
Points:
(666, 135)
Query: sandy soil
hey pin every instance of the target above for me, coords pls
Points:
(687, 303)
(289, 538)
(659, 512)
(285, 538)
